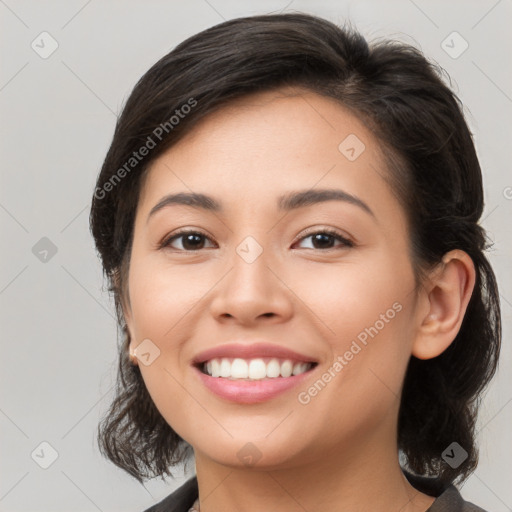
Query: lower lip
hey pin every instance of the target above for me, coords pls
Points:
(250, 392)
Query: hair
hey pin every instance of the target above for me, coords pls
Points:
(433, 168)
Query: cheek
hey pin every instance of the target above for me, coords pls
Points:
(353, 297)
(369, 316)
(165, 302)
(163, 295)
(365, 313)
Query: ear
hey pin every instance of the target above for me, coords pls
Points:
(448, 291)
(127, 314)
(129, 326)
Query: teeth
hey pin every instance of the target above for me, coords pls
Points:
(225, 368)
(253, 369)
(299, 368)
(239, 369)
(286, 369)
(257, 369)
(273, 369)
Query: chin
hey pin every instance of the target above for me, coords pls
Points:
(259, 454)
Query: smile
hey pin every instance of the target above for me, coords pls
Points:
(250, 373)
(254, 369)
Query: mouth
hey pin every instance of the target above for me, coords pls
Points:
(247, 381)
(254, 369)
(249, 374)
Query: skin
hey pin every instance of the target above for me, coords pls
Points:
(311, 299)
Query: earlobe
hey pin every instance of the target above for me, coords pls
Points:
(132, 355)
(131, 346)
(448, 292)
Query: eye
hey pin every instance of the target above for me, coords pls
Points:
(324, 239)
(195, 240)
(190, 240)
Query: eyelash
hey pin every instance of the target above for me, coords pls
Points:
(327, 231)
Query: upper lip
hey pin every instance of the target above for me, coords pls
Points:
(250, 351)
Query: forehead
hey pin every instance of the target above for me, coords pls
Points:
(268, 143)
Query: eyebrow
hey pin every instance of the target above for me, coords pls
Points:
(287, 202)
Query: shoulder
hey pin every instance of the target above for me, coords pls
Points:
(180, 500)
(451, 501)
(448, 498)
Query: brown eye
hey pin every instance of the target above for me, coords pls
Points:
(325, 239)
(190, 241)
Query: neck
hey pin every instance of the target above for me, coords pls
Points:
(358, 478)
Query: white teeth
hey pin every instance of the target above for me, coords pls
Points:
(299, 368)
(257, 369)
(215, 368)
(273, 369)
(286, 369)
(225, 368)
(253, 369)
(239, 369)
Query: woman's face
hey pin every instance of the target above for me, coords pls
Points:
(261, 277)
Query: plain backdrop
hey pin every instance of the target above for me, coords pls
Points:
(66, 69)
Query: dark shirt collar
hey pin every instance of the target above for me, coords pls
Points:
(448, 498)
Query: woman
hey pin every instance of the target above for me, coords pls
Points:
(288, 219)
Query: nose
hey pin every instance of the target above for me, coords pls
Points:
(252, 292)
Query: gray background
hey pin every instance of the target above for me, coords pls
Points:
(58, 114)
